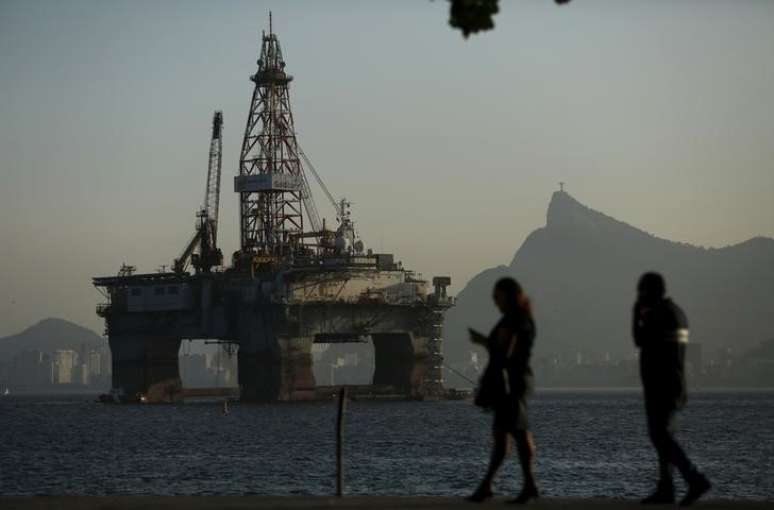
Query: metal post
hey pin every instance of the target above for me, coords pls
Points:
(339, 441)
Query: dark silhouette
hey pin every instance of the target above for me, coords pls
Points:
(660, 330)
(471, 16)
(505, 385)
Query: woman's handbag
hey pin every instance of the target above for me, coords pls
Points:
(491, 388)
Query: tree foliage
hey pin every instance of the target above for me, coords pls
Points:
(471, 16)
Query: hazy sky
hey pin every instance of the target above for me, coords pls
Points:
(659, 113)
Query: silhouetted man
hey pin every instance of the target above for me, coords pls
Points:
(660, 330)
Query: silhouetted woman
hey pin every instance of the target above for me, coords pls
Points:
(505, 385)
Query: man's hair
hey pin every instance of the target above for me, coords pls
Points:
(652, 283)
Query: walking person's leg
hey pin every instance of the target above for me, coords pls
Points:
(665, 479)
(500, 449)
(698, 484)
(658, 425)
(661, 427)
(525, 446)
(674, 453)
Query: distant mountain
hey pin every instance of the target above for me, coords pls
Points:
(581, 271)
(49, 335)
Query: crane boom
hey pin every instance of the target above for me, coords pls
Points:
(212, 192)
(205, 238)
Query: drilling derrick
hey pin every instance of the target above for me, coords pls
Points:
(270, 181)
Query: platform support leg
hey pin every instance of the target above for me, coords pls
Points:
(283, 373)
(146, 368)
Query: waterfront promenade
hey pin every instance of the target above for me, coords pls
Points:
(321, 502)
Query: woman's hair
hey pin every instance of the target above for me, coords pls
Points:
(517, 299)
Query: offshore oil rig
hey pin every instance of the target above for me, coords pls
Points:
(292, 283)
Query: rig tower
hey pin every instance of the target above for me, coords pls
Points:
(270, 175)
(290, 284)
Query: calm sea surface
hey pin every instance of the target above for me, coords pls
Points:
(590, 443)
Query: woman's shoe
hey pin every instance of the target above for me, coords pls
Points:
(660, 498)
(527, 495)
(696, 489)
(664, 494)
(482, 494)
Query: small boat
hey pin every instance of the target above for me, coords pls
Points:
(6, 392)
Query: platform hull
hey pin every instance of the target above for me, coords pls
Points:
(274, 333)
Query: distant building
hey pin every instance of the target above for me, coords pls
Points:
(94, 364)
(105, 363)
(63, 364)
(81, 374)
(46, 369)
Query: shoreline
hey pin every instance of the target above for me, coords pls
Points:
(311, 502)
(538, 389)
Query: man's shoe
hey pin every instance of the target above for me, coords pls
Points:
(660, 497)
(696, 489)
